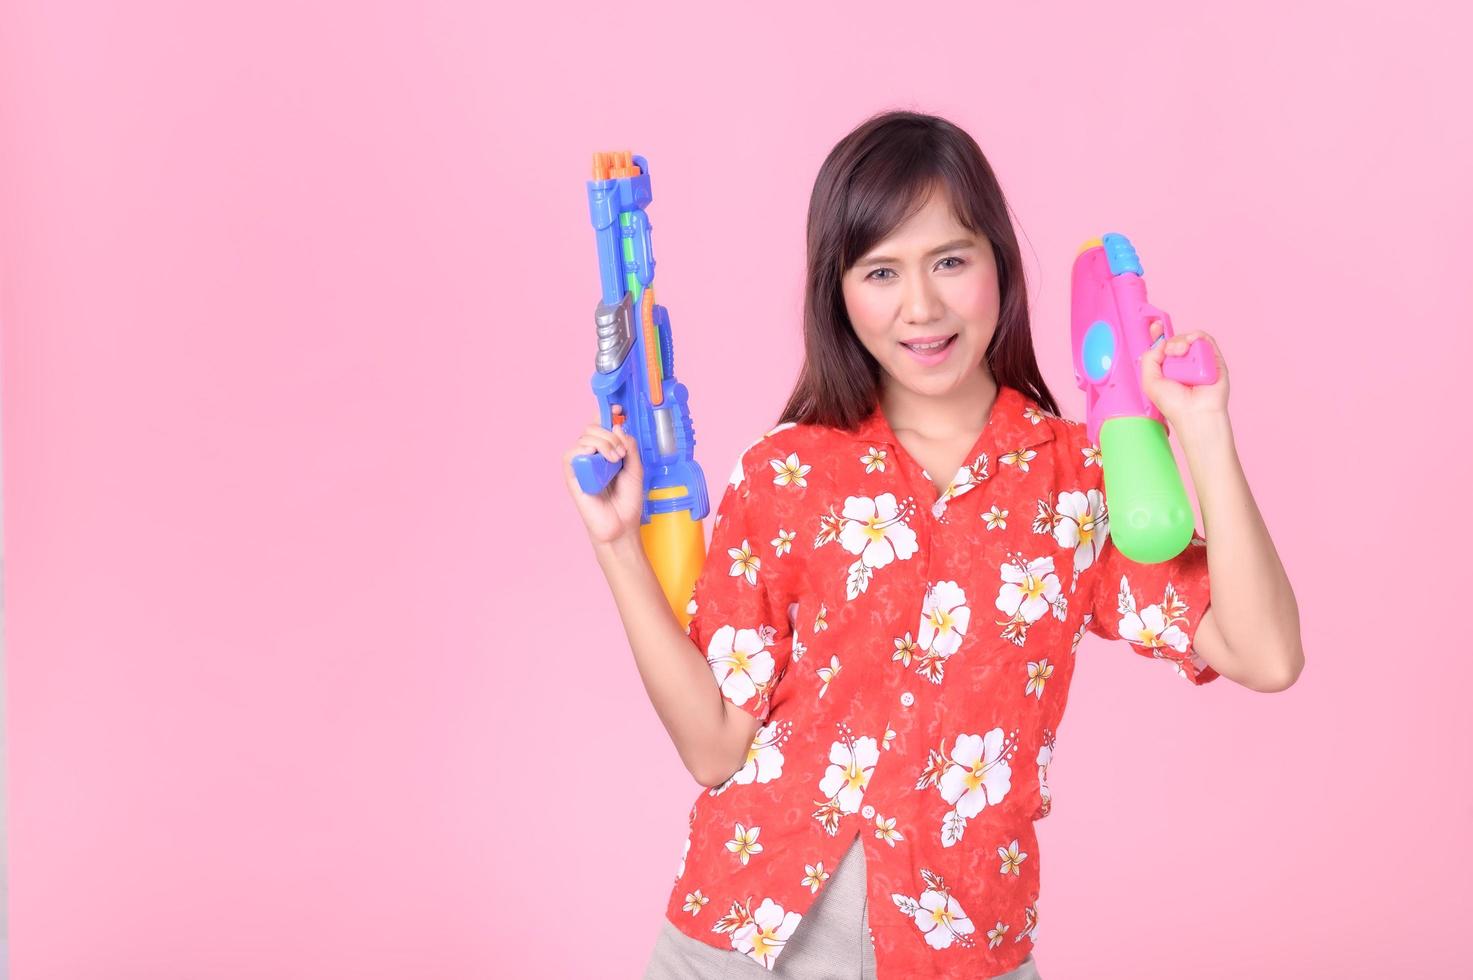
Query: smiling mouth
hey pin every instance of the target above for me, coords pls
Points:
(931, 348)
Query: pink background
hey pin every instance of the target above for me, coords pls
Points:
(311, 671)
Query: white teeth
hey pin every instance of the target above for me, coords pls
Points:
(937, 345)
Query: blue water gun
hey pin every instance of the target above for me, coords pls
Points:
(634, 368)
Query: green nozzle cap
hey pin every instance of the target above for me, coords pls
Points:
(1150, 517)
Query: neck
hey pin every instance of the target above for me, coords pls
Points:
(956, 414)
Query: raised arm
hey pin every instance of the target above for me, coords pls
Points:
(709, 733)
(1250, 632)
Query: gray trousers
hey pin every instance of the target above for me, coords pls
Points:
(831, 943)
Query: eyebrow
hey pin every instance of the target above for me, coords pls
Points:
(958, 243)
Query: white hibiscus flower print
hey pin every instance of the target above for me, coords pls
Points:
(764, 937)
(744, 564)
(966, 478)
(875, 529)
(744, 842)
(977, 774)
(1149, 628)
(1019, 458)
(944, 620)
(1079, 633)
(874, 459)
(1081, 523)
(764, 761)
(1037, 674)
(1030, 588)
(1030, 924)
(885, 830)
(789, 472)
(1011, 858)
(1154, 627)
(936, 913)
(740, 661)
(905, 648)
(827, 674)
(851, 763)
(1045, 756)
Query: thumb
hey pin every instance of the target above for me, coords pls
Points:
(631, 458)
(1151, 364)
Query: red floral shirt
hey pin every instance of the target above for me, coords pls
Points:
(910, 656)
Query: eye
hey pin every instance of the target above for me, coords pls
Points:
(950, 258)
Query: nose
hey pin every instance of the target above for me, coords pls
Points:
(920, 303)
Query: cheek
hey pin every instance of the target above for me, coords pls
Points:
(976, 298)
(868, 305)
(868, 312)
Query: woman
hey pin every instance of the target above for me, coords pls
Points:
(900, 573)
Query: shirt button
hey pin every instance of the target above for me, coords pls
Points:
(907, 699)
(868, 812)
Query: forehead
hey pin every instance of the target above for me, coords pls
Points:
(935, 222)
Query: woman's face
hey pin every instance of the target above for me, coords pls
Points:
(931, 279)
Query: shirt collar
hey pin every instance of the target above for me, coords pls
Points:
(1016, 422)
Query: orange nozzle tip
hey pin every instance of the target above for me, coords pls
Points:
(613, 164)
(1092, 243)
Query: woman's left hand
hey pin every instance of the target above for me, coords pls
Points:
(1183, 405)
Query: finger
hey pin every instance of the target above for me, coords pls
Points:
(606, 437)
(1156, 329)
(631, 450)
(603, 446)
(1216, 354)
(1151, 366)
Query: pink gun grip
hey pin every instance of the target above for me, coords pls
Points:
(1198, 366)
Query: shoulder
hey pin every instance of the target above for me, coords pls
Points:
(1065, 431)
(1082, 461)
(788, 449)
(1072, 450)
(1068, 432)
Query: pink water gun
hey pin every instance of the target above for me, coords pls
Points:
(1150, 517)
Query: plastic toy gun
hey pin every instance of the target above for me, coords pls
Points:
(634, 368)
(1150, 517)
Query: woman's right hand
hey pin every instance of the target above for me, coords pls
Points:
(615, 510)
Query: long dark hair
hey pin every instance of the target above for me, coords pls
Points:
(871, 182)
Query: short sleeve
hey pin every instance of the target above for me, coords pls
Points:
(1156, 607)
(739, 614)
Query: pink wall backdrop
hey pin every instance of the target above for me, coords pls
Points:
(312, 674)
